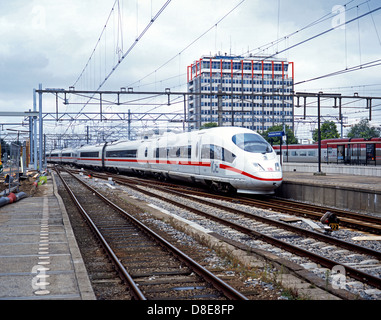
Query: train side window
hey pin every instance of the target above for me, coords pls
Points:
(174, 152)
(186, 152)
(210, 151)
(311, 153)
(89, 154)
(213, 152)
(228, 156)
(216, 151)
(121, 154)
(205, 151)
(161, 153)
(146, 153)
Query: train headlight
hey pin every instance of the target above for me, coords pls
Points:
(277, 166)
(258, 167)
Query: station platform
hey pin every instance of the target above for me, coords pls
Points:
(344, 191)
(39, 256)
(333, 168)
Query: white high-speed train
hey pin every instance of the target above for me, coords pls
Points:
(227, 159)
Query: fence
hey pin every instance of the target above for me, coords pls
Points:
(11, 168)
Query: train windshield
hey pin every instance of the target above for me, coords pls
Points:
(252, 143)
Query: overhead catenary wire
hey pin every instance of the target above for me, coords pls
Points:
(324, 32)
(97, 43)
(191, 43)
(153, 19)
(375, 27)
(321, 19)
(312, 24)
(361, 66)
(135, 43)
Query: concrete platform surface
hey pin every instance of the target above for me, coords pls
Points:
(336, 180)
(348, 192)
(333, 168)
(39, 256)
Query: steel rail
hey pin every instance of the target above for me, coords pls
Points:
(349, 219)
(220, 285)
(354, 273)
(278, 224)
(346, 215)
(136, 292)
(283, 225)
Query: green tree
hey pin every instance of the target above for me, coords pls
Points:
(208, 125)
(276, 140)
(364, 130)
(328, 131)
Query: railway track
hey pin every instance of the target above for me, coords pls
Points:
(348, 219)
(357, 221)
(254, 226)
(149, 265)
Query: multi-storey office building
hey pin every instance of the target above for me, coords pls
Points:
(253, 92)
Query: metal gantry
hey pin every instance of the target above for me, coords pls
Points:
(337, 98)
(119, 98)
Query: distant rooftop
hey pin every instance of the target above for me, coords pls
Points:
(249, 57)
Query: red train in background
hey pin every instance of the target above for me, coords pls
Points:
(356, 151)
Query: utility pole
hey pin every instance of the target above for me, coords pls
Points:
(319, 137)
(319, 95)
(42, 155)
(34, 121)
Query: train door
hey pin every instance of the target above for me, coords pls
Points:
(197, 146)
(103, 153)
(340, 153)
(356, 154)
(348, 152)
(211, 156)
(187, 152)
(145, 156)
(196, 155)
(370, 153)
(204, 153)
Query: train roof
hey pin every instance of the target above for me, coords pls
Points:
(227, 130)
(122, 143)
(91, 147)
(215, 131)
(68, 150)
(55, 151)
(332, 142)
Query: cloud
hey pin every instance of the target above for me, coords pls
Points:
(49, 42)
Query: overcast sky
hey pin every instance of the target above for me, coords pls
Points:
(50, 42)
